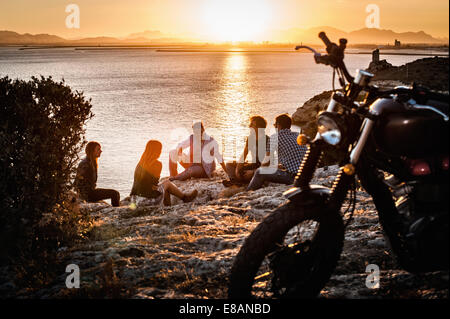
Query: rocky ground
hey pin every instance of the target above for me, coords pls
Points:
(186, 251)
(430, 72)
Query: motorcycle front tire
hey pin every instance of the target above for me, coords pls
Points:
(328, 241)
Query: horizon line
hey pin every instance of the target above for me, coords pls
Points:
(200, 39)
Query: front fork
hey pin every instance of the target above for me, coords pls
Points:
(346, 175)
(312, 157)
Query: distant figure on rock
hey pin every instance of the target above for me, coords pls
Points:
(376, 55)
(146, 178)
(86, 178)
(258, 145)
(285, 151)
(203, 150)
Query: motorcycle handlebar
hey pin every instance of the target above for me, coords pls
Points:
(325, 39)
(322, 59)
(335, 55)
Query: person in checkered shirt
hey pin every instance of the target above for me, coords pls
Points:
(282, 162)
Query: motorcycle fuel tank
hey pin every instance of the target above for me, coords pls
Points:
(405, 131)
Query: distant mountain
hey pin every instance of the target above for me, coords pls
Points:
(362, 36)
(96, 40)
(380, 36)
(294, 35)
(9, 37)
(303, 35)
(148, 35)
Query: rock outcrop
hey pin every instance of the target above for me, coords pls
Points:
(431, 72)
(376, 66)
(306, 115)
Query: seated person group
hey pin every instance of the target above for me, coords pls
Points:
(202, 151)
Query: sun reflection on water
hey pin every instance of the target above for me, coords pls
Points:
(234, 109)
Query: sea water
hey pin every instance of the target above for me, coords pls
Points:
(143, 94)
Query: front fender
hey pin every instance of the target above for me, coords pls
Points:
(314, 195)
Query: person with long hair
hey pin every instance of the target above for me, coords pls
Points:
(258, 145)
(86, 178)
(147, 174)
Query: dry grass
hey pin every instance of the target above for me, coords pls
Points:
(235, 220)
(106, 285)
(102, 232)
(186, 237)
(231, 191)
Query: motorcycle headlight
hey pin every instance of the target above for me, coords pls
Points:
(329, 129)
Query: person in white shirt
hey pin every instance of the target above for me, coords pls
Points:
(203, 151)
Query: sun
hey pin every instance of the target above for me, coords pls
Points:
(236, 20)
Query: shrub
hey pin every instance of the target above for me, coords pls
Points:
(42, 125)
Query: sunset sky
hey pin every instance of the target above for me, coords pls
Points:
(218, 20)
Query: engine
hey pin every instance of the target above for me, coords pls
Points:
(423, 207)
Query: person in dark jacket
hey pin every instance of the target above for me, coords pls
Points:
(146, 178)
(86, 178)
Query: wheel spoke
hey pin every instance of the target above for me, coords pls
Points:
(266, 274)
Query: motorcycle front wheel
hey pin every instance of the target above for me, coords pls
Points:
(292, 253)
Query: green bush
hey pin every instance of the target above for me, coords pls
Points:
(42, 125)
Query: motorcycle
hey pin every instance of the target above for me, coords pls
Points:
(395, 142)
